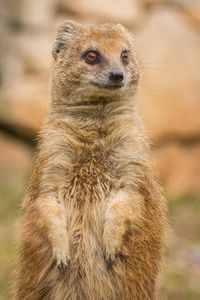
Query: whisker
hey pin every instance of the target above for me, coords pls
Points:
(153, 63)
(152, 89)
(155, 69)
(39, 69)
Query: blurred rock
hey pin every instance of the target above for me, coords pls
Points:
(168, 47)
(170, 62)
(31, 12)
(24, 103)
(169, 97)
(191, 10)
(33, 49)
(179, 168)
(126, 12)
(28, 52)
(15, 161)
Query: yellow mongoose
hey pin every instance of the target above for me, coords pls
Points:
(93, 207)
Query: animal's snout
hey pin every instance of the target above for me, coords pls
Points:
(116, 75)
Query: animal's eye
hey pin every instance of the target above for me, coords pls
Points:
(125, 57)
(92, 57)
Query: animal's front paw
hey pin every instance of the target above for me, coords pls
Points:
(110, 255)
(61, 258)
(111, 246)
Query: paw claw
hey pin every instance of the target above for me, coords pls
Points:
(64, 268)
(109, 263)
(109, 258)
(55, 261)
(61, 258)
(60, 268)
(62, 262)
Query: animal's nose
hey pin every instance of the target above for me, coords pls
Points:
(116, 75)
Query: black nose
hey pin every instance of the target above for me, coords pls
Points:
(116, 75)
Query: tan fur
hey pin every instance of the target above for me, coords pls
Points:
(93, 198)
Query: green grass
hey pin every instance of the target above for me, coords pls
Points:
(9, 200)
(183, 263)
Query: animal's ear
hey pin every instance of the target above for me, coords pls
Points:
(128, 34)
(65, 35)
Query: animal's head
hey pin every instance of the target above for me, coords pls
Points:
(95, 61)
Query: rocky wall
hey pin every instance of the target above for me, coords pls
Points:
(168, 46)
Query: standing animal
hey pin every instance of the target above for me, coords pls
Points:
(94, 223)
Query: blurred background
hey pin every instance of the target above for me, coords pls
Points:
(168, 47)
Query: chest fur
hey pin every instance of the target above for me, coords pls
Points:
(88, 171)
(91, 174)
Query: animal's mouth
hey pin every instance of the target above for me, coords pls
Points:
(111, 87)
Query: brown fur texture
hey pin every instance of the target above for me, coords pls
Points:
(94, 207)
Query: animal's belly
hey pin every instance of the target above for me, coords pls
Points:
(85, 230)
(86, 197)
(90, 182)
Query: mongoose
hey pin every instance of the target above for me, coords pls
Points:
(94, 222)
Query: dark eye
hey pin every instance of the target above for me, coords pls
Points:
(92, 57)
(124, 57)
